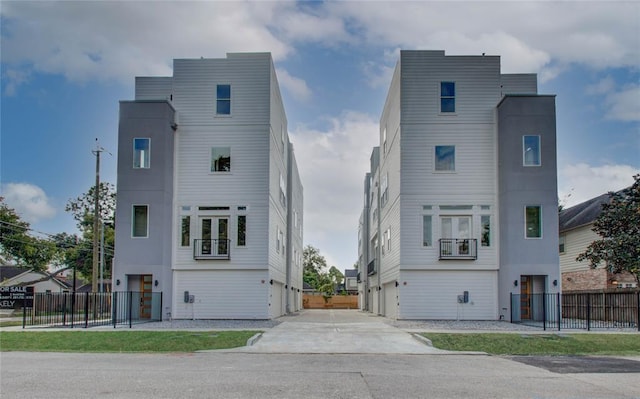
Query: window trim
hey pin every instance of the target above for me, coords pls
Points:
(430, 243)
(435, 159)
(182, 219)
(133, 219)
(482, 218)
(148, 156)
(219, 114)
(449, 97)
(562, 243)
(540, 224)
(524, 151)
(244, 244)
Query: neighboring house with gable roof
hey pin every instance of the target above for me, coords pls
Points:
(576, 233)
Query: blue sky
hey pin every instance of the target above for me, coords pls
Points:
(65, 66)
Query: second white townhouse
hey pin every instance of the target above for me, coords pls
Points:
(210, 202)
(460, 214)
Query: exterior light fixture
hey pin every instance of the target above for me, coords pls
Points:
(515, 283)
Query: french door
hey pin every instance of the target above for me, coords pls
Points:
(214, 231)
(457, 231)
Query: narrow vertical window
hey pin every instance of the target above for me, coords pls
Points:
(223, 100)
(533, 222)
(283, 190)
(384, 141)
(445, 158)
(485, 221)
(185, 231)
(531, 150)
(140, 223)
(242, 230)
(141, 153)
(426, 231)
(447, 97)
(221, 159)
(561, 243)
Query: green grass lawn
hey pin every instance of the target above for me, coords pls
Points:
(539, 344)
(10, 323)
(121, 341)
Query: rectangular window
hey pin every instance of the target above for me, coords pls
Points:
(223, 100)
(278, 240)
(485, 221)
(185, 231)
(445, 158)
(140, 223)
(531, 150)
(426, 231)
(384, 189)
(533, 222)
(221, 159)
(388, 240)
(384, 141)
(242, 230)
(141, 153)
(561, 243)
(447, 97)
(283, 190)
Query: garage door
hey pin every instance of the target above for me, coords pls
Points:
(390, 300)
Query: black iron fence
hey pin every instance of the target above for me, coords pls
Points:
(90, 309)
(584, 310)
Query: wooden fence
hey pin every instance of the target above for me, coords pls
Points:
(335, 302)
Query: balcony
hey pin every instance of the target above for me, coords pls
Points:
(371, 268)
(456, 248)
(211, 249)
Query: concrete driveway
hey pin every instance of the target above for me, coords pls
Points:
(337, 331)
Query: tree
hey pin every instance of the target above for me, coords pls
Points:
(619, 226)
(314, 273)
(82, 209)
(16, 242)
(336, 275)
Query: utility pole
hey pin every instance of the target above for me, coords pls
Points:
(96, 220)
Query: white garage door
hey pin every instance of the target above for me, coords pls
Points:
(390, 300)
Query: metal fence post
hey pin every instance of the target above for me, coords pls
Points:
(544, 311)
(558, 306)
(130, 307)
(638, 310)
(64, 309)
(511, 305)
(86, 310)
(24, 314)
(114, 308)
(588, 312)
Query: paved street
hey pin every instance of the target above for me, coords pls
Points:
(312, 355)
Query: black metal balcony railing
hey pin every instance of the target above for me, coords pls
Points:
(211, 249)
(457, 248)
(371, 268)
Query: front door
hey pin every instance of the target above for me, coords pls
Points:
(456, 227)
(525, 297)
(214, 232)
(145, 296)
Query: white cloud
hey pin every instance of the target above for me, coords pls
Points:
(29, 201)
(332, 166)
(296, 86)
(604, 86)
(624, 105)
(580, 182)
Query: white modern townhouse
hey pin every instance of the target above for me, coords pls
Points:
(460, 202)
(209, 199)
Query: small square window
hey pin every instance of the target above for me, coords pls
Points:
(221, 159)
(533, 222)
(140, 223)
(531, 150)
(223, 100)
(141, 154)
(447, 97)
(445, 158)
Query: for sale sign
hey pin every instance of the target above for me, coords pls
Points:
(16, 297)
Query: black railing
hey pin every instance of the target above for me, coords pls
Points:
(90, 309)
(371, 268)
(457, 248)
(211, 249)
(586, 311)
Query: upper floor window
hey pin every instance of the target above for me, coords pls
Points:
(531, 150)
(140, 221)
(447, 97)
(384, 141)
(242, 230)
(426, 231)
(533, 222)
(223, 100)
(485, 234)
(141, 153)
(283, 191)
(384, 189)
(445, 158)
(561, 243)
(185, 231)
(221, 159)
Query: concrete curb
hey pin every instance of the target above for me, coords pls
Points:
(254, 339)
(422, 339)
